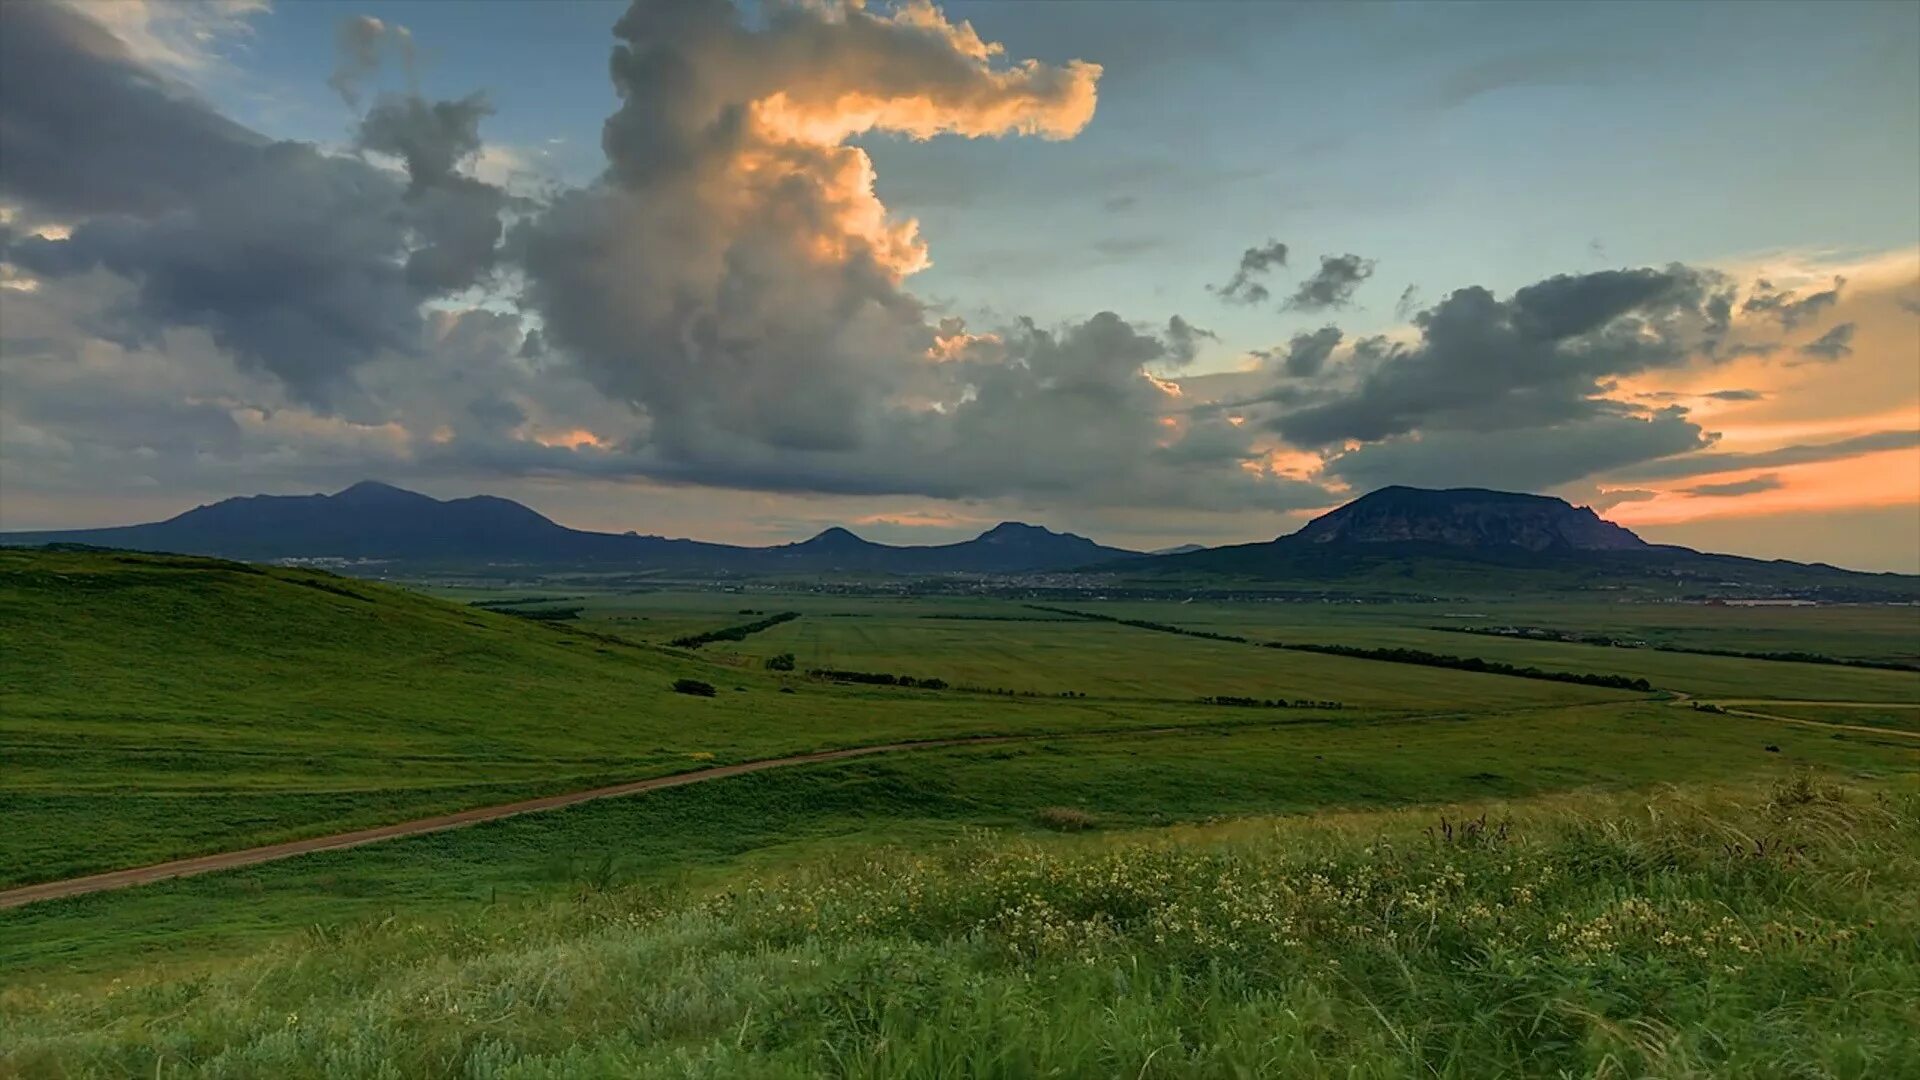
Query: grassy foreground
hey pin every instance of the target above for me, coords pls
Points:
(1757, 932)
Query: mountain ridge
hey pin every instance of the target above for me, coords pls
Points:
(371, 520)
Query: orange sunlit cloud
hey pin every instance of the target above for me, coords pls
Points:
(1890, 478)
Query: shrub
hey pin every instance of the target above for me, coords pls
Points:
(782, 662)
(694, 687)
(1065, 818)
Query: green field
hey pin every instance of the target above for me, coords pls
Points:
(153, 707)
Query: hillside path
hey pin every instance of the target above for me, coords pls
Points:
(228, 860)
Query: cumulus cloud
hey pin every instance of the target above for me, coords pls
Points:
(1331, 286)
(1306, 354)
(1734, 489)
(1246, 286)
(1536, 358)
(298, 263)
(1832, 345)
(1520, 458)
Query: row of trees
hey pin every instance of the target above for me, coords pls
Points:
(1474, 663)
(1269, 703)
(877, 678)
(733, 633)
(1143, 624)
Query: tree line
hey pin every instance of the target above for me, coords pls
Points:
(1144, 624)
(733, 633)
(1472, 663)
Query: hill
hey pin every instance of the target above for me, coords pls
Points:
(377, 522)
(1468, 541)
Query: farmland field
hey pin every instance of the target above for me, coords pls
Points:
(155, 707)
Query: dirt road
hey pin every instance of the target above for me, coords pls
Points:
(203, 864)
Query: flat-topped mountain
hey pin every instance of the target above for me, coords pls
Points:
(1468, 518)
(1470, 541)
(375, 521)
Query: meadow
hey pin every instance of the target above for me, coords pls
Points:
(1763, 931)
(152, 707)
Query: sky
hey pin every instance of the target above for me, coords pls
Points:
(1153, 273)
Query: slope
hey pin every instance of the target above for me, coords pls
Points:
(155, 707)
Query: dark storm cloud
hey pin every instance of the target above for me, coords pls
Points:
(1183, 340)
(1801, 454)
(1750, 486)
(1832, 345)
(1245, 286)
(86, 130)
(1308, 353)
(1537, 358)
(298, 263)
(1331, 286)
(1788, 307)
(456, 218)
(1524, 458)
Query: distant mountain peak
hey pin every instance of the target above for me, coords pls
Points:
(834, 537)
(1468, 518)
(1016, 531)
(375, 490)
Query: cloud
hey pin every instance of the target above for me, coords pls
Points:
(1798, 454)
(360, 41)
(298, 263)
(1734, 489)
(1832, 345)
(1789, 307)
(1520, 459)
(1332, 285)
(1245, 287)
(85, 128)
(1735, 395)
(1537, 358)
(1607, 499)
(1307, 353)
(1408, 303)
(738, 283)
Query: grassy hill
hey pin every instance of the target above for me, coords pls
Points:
(159, 706)
(921, 913)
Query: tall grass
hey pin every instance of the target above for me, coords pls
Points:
(1769, 934)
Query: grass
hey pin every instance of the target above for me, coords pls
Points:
(1761, 932)
(153, 707)
(710, 832)
(1894, 717)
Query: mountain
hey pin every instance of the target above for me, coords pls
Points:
(1180, 549)
(380, 522)
(1468, 518)
(1403, 541)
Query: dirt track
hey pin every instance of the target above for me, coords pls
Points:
(202, 864)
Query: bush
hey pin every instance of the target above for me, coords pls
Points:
(1065, 818)
(694, 687)
(783, 662)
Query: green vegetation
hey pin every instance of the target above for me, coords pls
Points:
(732, 633)
(1474, 663)
(1110, 894)
(1792, 656)
(879, 678)
(1770, 933)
